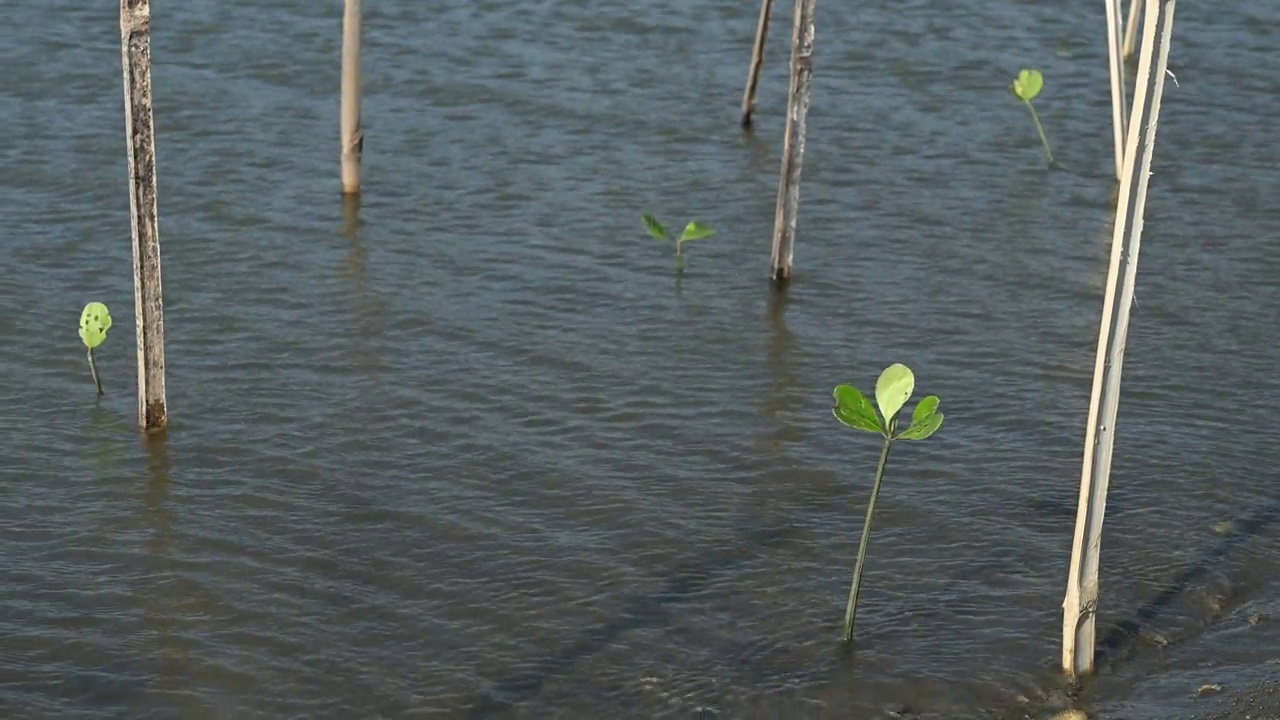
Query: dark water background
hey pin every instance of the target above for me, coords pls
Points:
(481, 454)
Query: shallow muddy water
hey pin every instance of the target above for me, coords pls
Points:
(482, 455)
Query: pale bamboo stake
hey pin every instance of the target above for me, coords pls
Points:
(135, 48)
(757, 59)
(352, 136)
(784, 222)
(1117, 82)
(1131, 28)
(1081, 602)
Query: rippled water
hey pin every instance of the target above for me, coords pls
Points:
(480, 454)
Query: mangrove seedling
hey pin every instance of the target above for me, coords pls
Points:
(692, 231)
(1027, 86)
(852, 408)
(95, 320)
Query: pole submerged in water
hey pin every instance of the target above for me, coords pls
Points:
(352, 140)
(135, 47)
(757, 59)
(1079, 608)
(784, 222)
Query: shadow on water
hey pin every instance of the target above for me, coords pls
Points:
(685, 579)
(1121, 643)
(781, 399)
(155, 598)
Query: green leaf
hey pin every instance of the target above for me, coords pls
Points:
(922, 429)
(855, 410)
(893, 389)
(95, 320)
(694, 231)
(1028, 84)
(926, 407)
(655, 228)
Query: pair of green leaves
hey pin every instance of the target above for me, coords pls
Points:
(692, 231)
(95, 320)
(893, 390)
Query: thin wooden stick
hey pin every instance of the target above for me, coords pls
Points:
(757, 59)
(352, 136)
(135, 47)
(1131, 28)
(1081, 602)
(784, 222)
(1117, 82)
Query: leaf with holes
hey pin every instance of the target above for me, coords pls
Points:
(1028, 84)
(855, 410)
(925, 421)
(95, 320)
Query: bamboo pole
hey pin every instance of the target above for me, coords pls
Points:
(1117, 82)
(352, 136)
(1131, 28)
(1081, 602)
(757, 59)
(135, 47)
(784, 222)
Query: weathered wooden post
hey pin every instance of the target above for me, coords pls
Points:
(352, 136)
(1081, 602)
(1114, 55)
(757, 59)
(784, 221)
(135, 47)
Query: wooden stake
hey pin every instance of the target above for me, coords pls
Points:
(352, 136)
(1131, 28)
(757, 59)
(784, 222)
(135, 47)
(1117, 81)
(1081, 602)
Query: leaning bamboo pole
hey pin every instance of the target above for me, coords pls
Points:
(1131, 28)
(757, 59)
(1114, 52)
(1081, 602)
(148, 301)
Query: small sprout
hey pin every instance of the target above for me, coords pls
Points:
(692, 231)
(95, 321)
(1026, 87)
(893, 390)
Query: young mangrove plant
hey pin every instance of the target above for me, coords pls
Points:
(1027, 86)
(893, 389)
(95, 320)
(692, 231)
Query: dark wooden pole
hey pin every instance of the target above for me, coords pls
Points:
(135, 47)
(784, 222)
(757, 59)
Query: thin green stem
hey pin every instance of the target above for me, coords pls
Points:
(679, 256)
(851, 610)
(93, 368)
(1040, 129)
